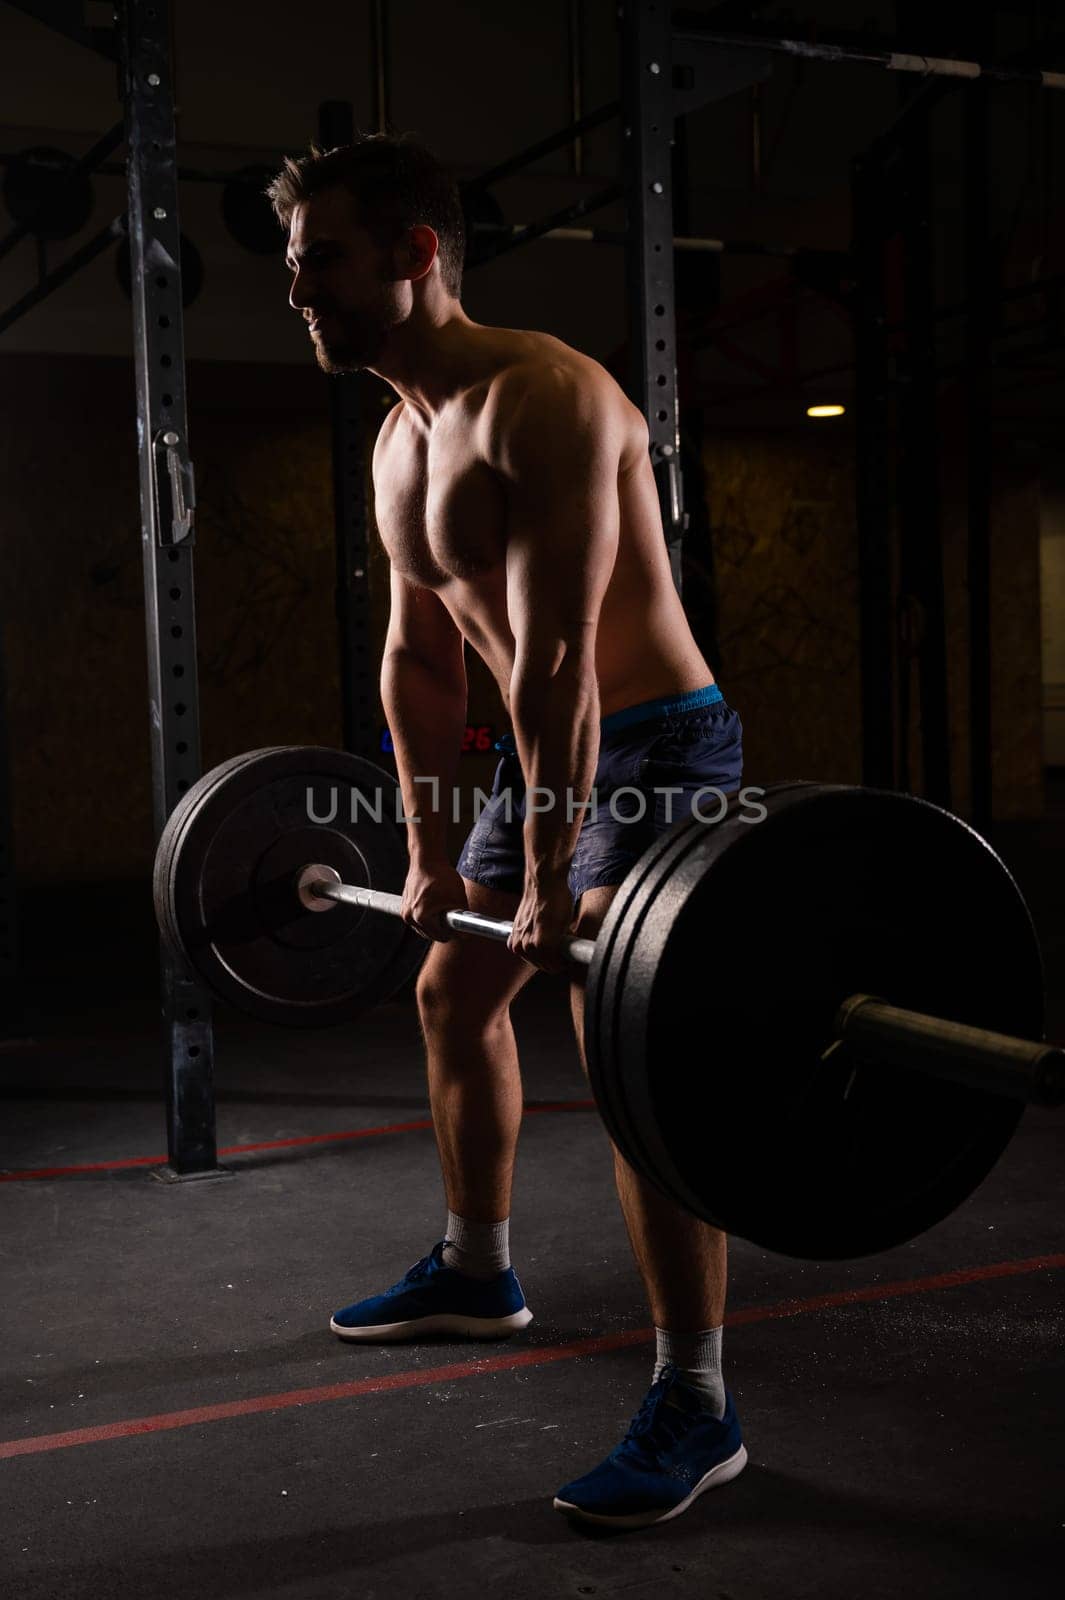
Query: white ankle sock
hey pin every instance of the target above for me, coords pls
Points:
(697, 1356)
(479, 1249)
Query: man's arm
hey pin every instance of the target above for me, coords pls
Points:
(559, 438)
(423, 691)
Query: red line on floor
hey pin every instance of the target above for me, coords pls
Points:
(23, 1174)
(523, 1358)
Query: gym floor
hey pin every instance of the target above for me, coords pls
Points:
(178, 1419)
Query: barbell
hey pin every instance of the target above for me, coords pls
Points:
(815, 1024)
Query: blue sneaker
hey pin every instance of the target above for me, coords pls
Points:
(432, 1298)
(674, 1449)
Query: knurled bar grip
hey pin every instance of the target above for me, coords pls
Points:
(579, 951)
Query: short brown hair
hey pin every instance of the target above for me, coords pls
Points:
(396, 182)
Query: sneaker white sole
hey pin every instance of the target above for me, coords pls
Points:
(722, 1473)
(461, 1327)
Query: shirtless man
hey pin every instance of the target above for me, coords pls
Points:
(518, 509)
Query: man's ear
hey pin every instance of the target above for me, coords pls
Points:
(417, 251)
(414, 252)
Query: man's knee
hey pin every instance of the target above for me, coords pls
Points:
(449, 995)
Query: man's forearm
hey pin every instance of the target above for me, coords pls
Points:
(556, 729)
(426, 716)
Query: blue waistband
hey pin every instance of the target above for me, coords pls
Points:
(643, 712)
(667, 706)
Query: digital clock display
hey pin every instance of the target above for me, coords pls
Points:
(476, 739)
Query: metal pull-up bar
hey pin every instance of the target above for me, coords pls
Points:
(890, 60)
(519, 232)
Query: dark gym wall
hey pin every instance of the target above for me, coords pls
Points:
(782, 511)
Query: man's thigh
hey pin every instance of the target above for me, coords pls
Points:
(650, 777)
(470, 978)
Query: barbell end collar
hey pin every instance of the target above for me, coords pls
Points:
(312, 884)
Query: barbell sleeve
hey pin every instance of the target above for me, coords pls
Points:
(1024, 1069)
(578, 951)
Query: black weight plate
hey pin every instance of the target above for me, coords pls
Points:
(231, 865)
(608, 975)
(172, 831)
(730, 969)
(662, 864)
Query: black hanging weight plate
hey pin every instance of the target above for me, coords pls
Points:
(225, 885)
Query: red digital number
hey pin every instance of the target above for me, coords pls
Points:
(467, 739)
(484, 738)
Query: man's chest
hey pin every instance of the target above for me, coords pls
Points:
(441, 514)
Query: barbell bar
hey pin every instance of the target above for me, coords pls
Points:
(817, 1030)
(1023, 1069)
(317, 882)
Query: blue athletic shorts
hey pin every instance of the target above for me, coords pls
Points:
(659, 763)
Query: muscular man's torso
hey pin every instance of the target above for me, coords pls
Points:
(442, 515)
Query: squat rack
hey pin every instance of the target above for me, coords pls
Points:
(670, 66)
